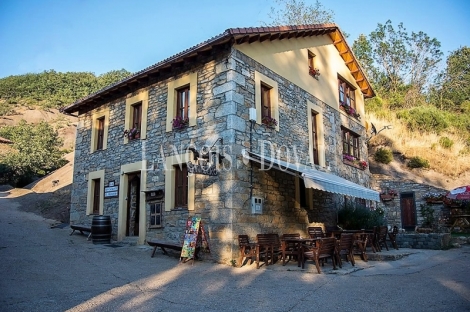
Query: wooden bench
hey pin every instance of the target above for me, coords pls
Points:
(82, 228)
(162, 244)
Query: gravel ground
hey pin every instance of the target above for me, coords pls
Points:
(43, 268)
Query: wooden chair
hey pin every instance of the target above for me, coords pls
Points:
(276, 247)
(315, 232)
(289, 249)
(382, 237)
(247, 249)
(268, 247)
(345, 248)
(393, 237)
(324, 248)
(360, 245)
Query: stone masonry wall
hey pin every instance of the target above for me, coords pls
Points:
(392, 208)
(225, 92)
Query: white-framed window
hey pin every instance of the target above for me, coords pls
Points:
(316, 134)
(266, 99)
(95, 193)
(136, 116)
(99, 130)
(181, 100)
(179, 186)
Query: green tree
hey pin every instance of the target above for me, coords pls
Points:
(398, 62)
(297, 12)
(37, 150)
(456, 78)
(51, 89)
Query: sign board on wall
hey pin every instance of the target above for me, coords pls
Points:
(111, 190)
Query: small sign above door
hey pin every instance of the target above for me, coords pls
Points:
(111, 190)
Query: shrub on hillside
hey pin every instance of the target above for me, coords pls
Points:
(425, 118)
(418, 162)
(374, 104)
(445, 142)
(383, 155)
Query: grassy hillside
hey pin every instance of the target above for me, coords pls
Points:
(51, 89)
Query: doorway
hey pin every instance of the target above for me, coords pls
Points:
(133, 204)
(408, 210)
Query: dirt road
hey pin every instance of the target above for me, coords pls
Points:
(46, 269)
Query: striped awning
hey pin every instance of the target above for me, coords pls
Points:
(314, 178)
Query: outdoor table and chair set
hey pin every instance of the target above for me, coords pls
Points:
(319, 246)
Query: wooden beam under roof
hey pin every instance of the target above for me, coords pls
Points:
(253, 39)
(283, 36)
(274, 36)
(264, 37)
(243, 39)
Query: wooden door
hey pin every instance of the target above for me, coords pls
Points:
(408, 211)
(133, 205)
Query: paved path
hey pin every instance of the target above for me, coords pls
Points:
(45, 269)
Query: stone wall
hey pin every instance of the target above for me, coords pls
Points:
(424, 241)
(393, 209)
(225, 92)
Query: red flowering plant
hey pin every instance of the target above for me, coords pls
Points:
(349, 110)
(133, 133)
(315, 72)
(356, 162)
(179, 122)
(269, 122)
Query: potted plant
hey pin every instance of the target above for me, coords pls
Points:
(433, 198)
(180, 122)
(132, 134)
(388, 195)
(349, 110)
(353, 161)
(314, 72)
(269, 122)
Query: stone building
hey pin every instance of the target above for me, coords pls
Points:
(256, 130)
(403, 209)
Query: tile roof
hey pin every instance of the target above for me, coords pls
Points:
(239, 36)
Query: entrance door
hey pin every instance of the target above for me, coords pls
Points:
(408, 210)
(133, 204)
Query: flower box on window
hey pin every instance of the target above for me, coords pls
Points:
(352, 161)
(132, 134)
(349, 110)
(269, 122)
(314, 72)
(388, 195)
(180, 123)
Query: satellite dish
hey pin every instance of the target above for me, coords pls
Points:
(374, 130)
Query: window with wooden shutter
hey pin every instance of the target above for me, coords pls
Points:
(181, 186)
(100, 133)
(265, 101)
(96, 196)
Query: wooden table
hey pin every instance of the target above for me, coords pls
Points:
(297, 243)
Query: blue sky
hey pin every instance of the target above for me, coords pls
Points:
(102, 35)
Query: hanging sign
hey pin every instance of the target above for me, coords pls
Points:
(202, 167)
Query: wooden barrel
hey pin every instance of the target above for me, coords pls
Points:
(101, 229)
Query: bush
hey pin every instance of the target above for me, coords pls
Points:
(445, 142)
(427, 212)
(418, 162)
(425, 118)
(383, 155)
(354, 217)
